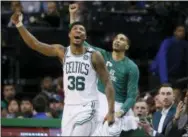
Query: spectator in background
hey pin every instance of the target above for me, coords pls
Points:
(17, 7)
(52, 16)
(3, 111)
(151, 105)
(179, 125)
(59, 87)
(47, 84)
(8, 94)
(26, 108)
(40, 106)
(177, 96)
(162, 118)
(158, 103)
(47, 89)
(56, 107)
(170, 61)
(13, 108)
(31, 6)
(141, 108)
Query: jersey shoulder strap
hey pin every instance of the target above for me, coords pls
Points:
(65, 53)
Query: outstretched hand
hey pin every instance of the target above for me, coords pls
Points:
(73, 8)
(16, 18)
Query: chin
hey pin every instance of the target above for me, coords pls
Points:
(116, 50)
(77, 44)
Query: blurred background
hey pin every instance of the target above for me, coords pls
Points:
(32, 83)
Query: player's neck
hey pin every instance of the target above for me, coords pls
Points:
(118, 55)
(77, 50)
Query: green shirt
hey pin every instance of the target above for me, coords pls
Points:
(4, 104)
(124, 75)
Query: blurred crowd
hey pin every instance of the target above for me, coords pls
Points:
(46, 104)
(171, 102)
(54, 13)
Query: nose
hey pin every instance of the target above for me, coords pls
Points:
(78, 30)
(117, 40)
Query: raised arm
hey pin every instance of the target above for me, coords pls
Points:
(33, 43)
(99, 65)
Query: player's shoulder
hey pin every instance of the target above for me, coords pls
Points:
(131, 64)
(58, 47)
(90, 49)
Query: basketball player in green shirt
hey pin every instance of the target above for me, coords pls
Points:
(123, 71)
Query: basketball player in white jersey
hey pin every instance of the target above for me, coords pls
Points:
(81, 67)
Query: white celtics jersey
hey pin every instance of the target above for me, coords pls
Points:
(80, 78)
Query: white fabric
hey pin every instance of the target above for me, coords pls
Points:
(127, 123)
(103, 107)
(80, 75)
(164, 113)
(79, 120)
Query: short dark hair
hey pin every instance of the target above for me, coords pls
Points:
(178, 25)
(75, 23)
(140, 100)
(26, 99)
(40, 103)
(13, 99)
(5, 85)
(165, 85)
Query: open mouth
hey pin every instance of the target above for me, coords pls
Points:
(77, 37)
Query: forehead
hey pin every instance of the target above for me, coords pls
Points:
(78, 26)
(26, 101)
(13, 102)
(180, 28)
(141, 104)
(8, 86)
(121, 36)
(166, 89)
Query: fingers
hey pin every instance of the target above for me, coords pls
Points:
(180, 103)
(104, 120)
(110, 123)
(180, 106)
(15, 18)
(73, 7)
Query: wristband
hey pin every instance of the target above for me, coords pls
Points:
(19, 24)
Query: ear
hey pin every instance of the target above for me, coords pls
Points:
(85, 37)
(126, 47)
(69, 35)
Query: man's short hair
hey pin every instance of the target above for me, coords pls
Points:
(40, 103)
(165, 85)
(75, 23)
(178, 25)
(26, 99)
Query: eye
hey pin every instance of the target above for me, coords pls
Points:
(122, 39)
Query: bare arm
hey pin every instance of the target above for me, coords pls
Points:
(73, 10)
(32, 42)
(99, 65)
